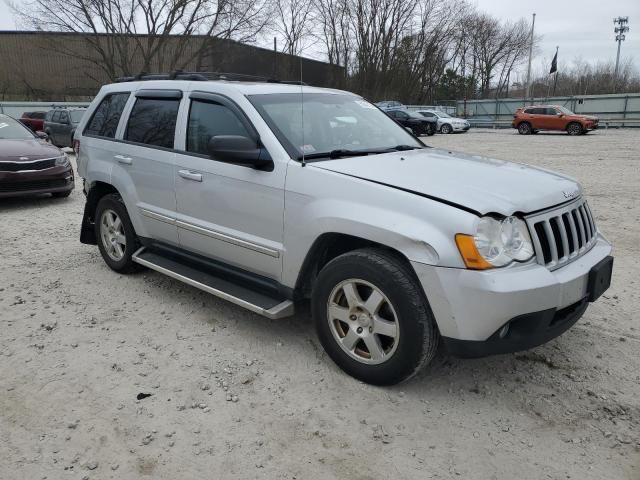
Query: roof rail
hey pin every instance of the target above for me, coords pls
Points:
(205, 76)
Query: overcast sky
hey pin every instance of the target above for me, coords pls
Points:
(581, 28)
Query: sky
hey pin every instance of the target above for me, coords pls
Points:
(580, 28)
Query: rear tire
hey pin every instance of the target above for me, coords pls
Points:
(525, 128)
(372, 317)
(431, 130)
(574, 129)
(116, 237)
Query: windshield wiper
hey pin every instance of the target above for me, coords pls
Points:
(343, 152)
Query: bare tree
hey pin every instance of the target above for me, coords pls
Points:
(292, 23)
(333, 29)
(580, 77)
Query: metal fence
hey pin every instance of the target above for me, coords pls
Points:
(450, 109)
(16, 109)
(613, 110)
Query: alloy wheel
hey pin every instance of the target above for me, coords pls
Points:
(112, 235)
(574, 129)
(363, 321)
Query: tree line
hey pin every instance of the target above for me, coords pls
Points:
(415, 51)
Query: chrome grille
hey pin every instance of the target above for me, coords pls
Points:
(561, 235)
(32, 165)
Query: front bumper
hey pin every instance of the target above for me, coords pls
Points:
(461, 128)
(474, 306)
(34, 182)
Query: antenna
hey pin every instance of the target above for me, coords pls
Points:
(302, 110)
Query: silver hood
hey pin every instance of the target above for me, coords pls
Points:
(480, 184)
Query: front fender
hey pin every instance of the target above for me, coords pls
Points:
(319, 201)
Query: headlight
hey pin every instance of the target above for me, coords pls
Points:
(62, 161)
(496, 243)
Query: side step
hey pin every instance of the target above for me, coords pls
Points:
(257, 302)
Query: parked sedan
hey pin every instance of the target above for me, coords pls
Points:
(30, 165)
(446, 123)
(418, 124)
(389, 105)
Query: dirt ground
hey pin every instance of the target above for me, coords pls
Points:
(234, 395)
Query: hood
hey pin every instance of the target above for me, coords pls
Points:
(585, 117)
(479, 184)
(27, 150)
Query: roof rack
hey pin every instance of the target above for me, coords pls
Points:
(204, 77)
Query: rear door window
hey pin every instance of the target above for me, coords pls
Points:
(56, 116)
(153, 121)
(64, 117)
(105, 119)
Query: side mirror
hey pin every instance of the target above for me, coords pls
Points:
(42, 135)
(238, 149)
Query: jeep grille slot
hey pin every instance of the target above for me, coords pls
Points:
(562, 235)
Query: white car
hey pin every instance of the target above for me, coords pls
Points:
(446, 123)
(234, 188)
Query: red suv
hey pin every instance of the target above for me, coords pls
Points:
(552, 117)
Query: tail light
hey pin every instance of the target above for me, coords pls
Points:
(76, 147)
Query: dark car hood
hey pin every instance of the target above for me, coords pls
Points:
(27, 150)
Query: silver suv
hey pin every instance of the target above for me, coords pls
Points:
(270, 194)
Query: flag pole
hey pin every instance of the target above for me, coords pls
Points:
(555, 81)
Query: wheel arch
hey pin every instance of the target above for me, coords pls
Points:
(96, 192)
(329, 246)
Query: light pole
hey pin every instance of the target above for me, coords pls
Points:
(620, 30)
(533, 24)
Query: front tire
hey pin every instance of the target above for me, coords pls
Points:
(372, 318)
(446, 129)
(116, 237)
(574, 129)
(431, 130)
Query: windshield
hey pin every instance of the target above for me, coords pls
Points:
(10, 129)
(76, 115)
(564, 110)
(332, 123)
(443, 114)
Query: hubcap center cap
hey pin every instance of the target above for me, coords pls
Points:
(364, 320)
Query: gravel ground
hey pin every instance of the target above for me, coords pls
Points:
(234, 395)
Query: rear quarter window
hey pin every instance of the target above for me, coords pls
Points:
(105, 119)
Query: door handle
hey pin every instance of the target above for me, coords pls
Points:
(123, 159)
(196, 177)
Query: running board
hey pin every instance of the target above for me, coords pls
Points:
(242, 296)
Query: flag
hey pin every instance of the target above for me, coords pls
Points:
(554, 64)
